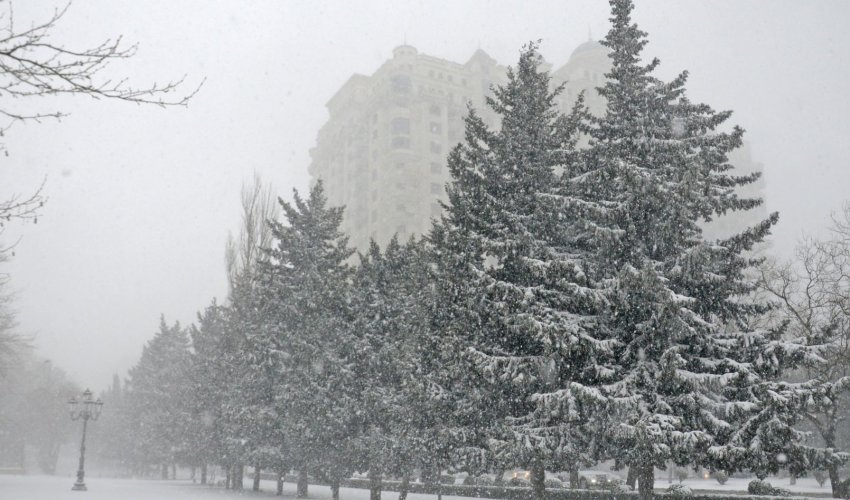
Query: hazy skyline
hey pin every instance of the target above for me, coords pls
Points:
(142, 199)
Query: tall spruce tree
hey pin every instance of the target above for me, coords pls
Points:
(693, 381)
(215, 394)
(391, 298)
(520, 304)
(306, 331)
(157, 396)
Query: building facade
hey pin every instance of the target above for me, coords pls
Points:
(382, 152)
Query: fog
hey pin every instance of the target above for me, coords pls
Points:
(141, 199)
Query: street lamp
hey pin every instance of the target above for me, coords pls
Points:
(84, 408)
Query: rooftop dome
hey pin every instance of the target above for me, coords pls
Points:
(589, 46)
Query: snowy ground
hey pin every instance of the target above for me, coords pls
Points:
(59, 488)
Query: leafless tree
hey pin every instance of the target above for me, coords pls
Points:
(11, 342)
(814, 292)
(259, 205)
(34, 65)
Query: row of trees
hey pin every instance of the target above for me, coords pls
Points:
(566, 309)
(34, 423)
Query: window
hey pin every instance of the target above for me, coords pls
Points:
(400, 125)
(436, 147)
(401, 143)
(400, 84)
(436, 168)
(435, 128)
(435, 110)
(450, 78)
(436, 188)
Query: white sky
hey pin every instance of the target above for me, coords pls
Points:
(142, 199)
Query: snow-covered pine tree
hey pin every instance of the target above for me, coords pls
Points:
(391, 300)
(157, 394)
(258, 367)
(217, 397)
(306, 325)
(520, 307)
(692, 376)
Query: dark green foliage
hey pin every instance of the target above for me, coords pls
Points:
(156, 391)
(303, 338)
(692, 378)
(519, 303)
(391, 298)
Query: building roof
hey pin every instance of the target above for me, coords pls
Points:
(589, 46)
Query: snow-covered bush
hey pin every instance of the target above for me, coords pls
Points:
(820, 477)
(681, 474)
(721, 477)
(553, 482)
(679, 491)
(759, 487)
(485, 480)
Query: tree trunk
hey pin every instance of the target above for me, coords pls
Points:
(279, 483)
(646, 481)
(404, 487)
(173, 471)
(538, 481)
(256, 485)
(302, 485)
(631, 477)
(840, 489)
(573, 477)
(228, 477)
(500, 476)
(238, 477)
(204, 474)
(335, 488)
(164, 471)
(375, 484)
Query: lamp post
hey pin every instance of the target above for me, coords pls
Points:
(84, 408)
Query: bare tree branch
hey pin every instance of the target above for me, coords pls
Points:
(259, 205)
